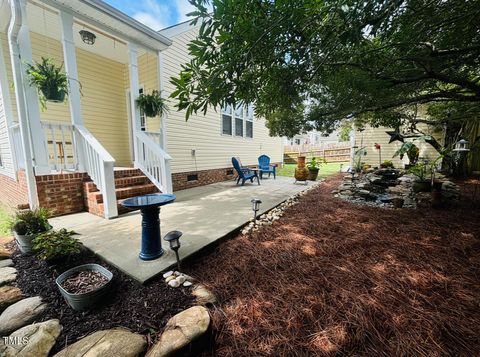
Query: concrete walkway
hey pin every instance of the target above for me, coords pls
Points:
(204, 215)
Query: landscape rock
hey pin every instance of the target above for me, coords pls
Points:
(187, 283)
(181, 330)
(6, 263)
(203, 295)
(39, 339)
(107, 343)
(7, 275)
(20, 314)
(181, 279)
(170, 278)
(8, 296)
(168, 274)
(174, 283)
(4, 253)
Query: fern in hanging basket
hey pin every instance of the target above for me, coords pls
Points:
(152, 104)
(49, 79)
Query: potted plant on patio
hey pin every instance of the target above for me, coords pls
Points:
(420, 170)
(152, 104)
(412, 152)
(85, 285)
(313, 168)
(49, 79)
(27, 225)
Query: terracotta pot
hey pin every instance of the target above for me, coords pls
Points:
(301, 173)
(301, 161)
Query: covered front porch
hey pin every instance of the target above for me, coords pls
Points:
(204, 215)
(98, 127)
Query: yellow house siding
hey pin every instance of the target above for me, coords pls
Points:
(103, 97)
(203, 133)
(368, 137)
(148, 77)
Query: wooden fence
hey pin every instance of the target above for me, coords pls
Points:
(331, 153)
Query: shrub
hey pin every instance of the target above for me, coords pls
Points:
(27, 222)
(53, 245)
(420, 169)
(152, 104)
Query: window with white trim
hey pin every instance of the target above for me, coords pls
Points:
(238, 122)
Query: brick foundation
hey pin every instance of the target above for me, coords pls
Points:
(14, 193)
(62, 193)
(205, 177)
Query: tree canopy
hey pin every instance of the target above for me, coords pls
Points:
(309, 64)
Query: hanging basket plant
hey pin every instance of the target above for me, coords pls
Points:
(152, 104)
(49, 79)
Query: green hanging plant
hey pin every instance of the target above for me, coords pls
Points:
(49, 79)
(152, 104)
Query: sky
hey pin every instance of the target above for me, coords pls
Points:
(156, 14)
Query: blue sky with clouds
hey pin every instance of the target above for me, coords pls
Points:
(156, 14)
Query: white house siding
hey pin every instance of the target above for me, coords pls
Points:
(368, 137)
(6, 165)
(204, 133)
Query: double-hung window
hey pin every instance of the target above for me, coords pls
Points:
(238, 122)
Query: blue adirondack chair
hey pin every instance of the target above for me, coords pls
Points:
(265, 167)
(243, 173)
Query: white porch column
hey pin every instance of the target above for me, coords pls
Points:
(38, 147)
(134, 88)
(163, 125)
(74, 96)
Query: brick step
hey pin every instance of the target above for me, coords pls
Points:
(98, 209)
(131, 181)
(128, 172)
(125, 192)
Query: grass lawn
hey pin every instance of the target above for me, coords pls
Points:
(4, 214)
(325, 169)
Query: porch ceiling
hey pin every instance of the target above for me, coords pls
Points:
(112, 28)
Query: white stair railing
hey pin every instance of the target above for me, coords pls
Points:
(99, 165)
(60, 143)
(153, 161)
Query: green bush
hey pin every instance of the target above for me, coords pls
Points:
(387, 164)
(53, 245)
(27, 222)
(421, 170)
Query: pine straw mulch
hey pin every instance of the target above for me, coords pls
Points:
(333, 278)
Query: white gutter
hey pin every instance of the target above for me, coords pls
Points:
(13, 30)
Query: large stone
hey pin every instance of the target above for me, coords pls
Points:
(107, 343)
(203, 295)
(181, 330)
(8, 296)
(4, 253)
(20, 314)
(6, 263)
(34, 340)
(7, 275)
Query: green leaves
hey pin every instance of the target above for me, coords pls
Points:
(152, 104)
(27, 222)
(370, 60)
(56, 244)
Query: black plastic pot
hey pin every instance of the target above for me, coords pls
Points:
(149, 110)
(422, 186)
(52, 94)
(81, 302)
(313, 173)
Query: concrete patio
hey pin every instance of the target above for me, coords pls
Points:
(204, 215)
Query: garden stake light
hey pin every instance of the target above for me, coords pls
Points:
(255, 207)
(173, 238)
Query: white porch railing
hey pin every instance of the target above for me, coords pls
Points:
(60, 143)
(99, 165)
(17, 145)
(153, 161)
(156, 137)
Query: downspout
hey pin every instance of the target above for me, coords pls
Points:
(17, 69)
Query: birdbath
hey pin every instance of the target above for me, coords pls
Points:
(150, 208)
